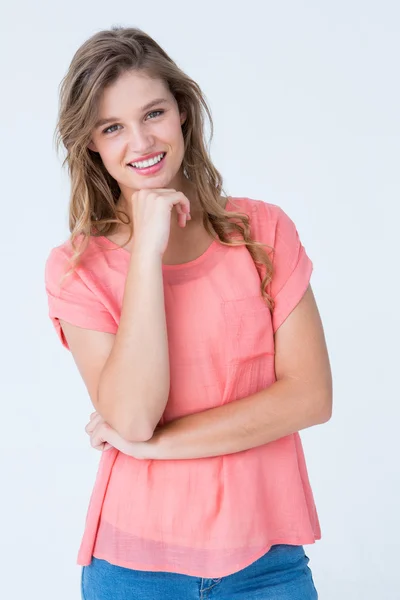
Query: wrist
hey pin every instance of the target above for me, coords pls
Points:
(145, 264)
(144, 256)
(150, 450)
(153, 448)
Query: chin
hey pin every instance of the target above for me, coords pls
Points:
(162, 180)
(155, 182)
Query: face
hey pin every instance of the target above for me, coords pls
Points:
(139, 118)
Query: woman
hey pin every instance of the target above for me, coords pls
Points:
(192, 322)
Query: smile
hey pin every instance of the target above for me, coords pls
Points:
(144, 164)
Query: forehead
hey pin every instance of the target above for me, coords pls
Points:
(132, 90)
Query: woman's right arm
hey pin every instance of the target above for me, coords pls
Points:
(134, 383)
(127, 375)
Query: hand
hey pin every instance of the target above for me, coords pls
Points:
(103, 437)
(151, 211)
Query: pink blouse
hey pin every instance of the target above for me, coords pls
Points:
(206, 517)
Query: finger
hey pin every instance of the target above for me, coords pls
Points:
(100, 448)
(163, 191)
(97, 438)
(180, 201)
(174, 198)
(104, 437)
(184, 205)
(183, 214)
(93, 423)
(185, 209)
(182, 220)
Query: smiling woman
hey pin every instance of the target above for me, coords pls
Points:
(137, 136)
(191, 319)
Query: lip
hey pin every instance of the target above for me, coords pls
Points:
(147, 157)
(149, 170)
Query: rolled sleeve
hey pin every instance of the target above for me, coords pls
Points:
(292, 269)
(72, 300)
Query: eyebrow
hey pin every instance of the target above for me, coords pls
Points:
(101, 122)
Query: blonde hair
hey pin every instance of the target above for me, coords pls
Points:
(93, 209)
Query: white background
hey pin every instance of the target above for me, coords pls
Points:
(305, 98)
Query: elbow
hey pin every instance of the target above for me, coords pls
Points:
(131, 432)
(134, 429)
(324, 416)
(324, 407)
(135, 435)
(321, 396)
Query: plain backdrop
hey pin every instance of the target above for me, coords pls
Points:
(305, 100)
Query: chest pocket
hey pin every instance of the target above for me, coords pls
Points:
(248, 329)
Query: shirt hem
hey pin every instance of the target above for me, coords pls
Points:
(306, 540)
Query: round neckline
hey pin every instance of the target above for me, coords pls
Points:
(166, 267)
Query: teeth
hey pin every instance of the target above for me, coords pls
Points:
(148, 163)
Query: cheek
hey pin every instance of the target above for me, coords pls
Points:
(172, 130)
(177, 141)
(111, 152)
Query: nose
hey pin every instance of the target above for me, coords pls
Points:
(140, 142)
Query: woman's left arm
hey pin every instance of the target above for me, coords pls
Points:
(301, 397)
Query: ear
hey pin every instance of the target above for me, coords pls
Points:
(183, 117)
(92, 146)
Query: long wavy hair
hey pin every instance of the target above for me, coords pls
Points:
(93, 207)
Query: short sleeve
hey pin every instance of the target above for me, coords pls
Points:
(72, 299)
(292, 269)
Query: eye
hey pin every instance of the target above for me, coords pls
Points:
(110, 129)
(156, 112)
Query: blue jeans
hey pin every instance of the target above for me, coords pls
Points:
(281, 574)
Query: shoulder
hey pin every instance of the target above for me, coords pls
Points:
(253, 206)
(79, 295)
(59, 261)
(272, 226)
(64, 252)
(267, 219)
